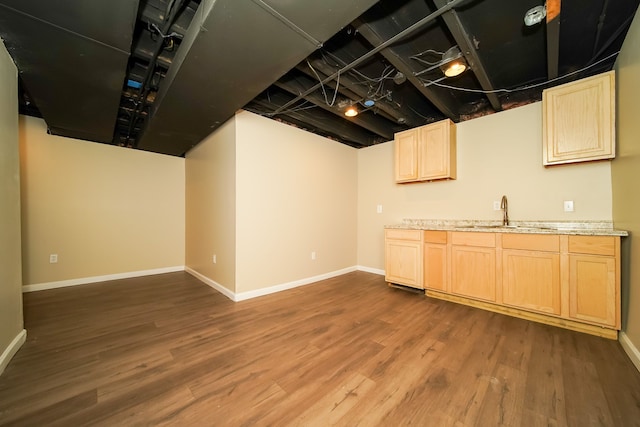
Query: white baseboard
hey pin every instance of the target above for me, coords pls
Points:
(290, 285)
(631, 350)
(371, 270)
(95, 279)
(271, 289)
(215, 285)
(12, 349)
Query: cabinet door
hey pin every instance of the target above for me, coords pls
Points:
(473, 272)
(403, 263)
(579, 121)
(406, 155)
(435, 266)
(592, 289)
(531, 280)
(436, 151)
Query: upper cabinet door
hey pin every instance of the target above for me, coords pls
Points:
(436, 145)
(426, 153)
(406, 145)
(579, 120)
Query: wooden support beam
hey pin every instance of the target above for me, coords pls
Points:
(468, 49)
(553, 37)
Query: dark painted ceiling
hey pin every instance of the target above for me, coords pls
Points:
(160, 75)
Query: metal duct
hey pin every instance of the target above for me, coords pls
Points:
(233, 51)
(72, 58)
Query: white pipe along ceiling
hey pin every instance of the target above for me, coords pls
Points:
(161, 75)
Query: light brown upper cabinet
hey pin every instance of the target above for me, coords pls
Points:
(579, 120)
(426, 153)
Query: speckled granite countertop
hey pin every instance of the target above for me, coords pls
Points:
(585, 228)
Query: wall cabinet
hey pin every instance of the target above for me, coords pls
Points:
(435, 260)
(579, 120)
(403, 257)
(426, 153)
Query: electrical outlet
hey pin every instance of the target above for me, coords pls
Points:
(215, 259)
(379, 209)
(53, 258)
(313, 255)
(568, 205)
(496, 205)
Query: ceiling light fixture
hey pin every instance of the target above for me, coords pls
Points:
(453, 63)
(351, 111)
(535, 15)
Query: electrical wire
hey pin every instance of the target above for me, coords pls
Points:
(418, 114)
(324, 92)
(424, 61)
(462, 89)
(340, 63)
(301, 107)
(151, 25)
(432, 51)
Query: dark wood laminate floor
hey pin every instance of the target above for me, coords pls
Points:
(168, 350)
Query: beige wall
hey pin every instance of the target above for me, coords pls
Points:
(497, 154)
(626, 176)
(211, 206)
(10, 271)
(296, 194)
(103, 209)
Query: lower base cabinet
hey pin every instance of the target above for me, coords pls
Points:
(592, 289)
(571, 281)
(435, 260)
(531, 280)
(403, 257)
(473, 272)
(473, 265)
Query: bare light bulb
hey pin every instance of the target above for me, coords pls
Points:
(453, 63)
(351, 112)
(454, 69)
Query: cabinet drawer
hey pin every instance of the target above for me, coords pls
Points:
(431, 236)
(531, 242)
(403, 234)
(593, 245)
(487, 240)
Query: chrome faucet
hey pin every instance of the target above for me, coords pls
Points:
(505, 211)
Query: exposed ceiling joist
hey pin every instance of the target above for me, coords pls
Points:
(368, 122)
(222, 55)
(244, 47)
(379, 47)
(401, 114)
(346, 131)
(400, 64)
(553, 37)
(342, 90)
(468, 48)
